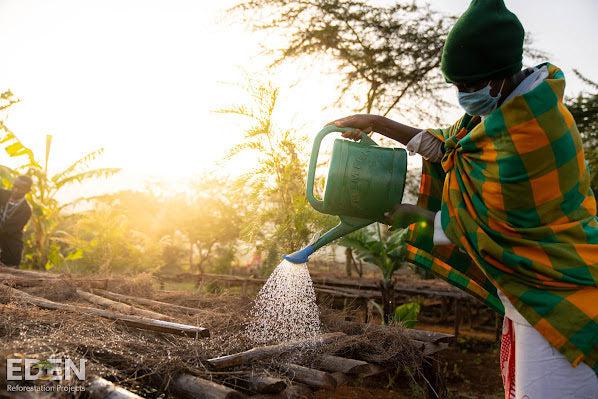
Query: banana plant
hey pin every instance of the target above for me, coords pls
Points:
(387, 252)
(43, 249)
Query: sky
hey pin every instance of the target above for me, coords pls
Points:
(143, 79)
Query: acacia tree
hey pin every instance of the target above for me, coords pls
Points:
(584, 109)
(386, 55)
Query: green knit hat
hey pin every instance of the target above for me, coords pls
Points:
(485, 43)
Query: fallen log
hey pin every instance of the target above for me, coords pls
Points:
(264, 352)
(24, 278)
(189, 386)
(130, 320)
(346, 293)
(294, 391)
(432, 293)
(427, 336)
(355, 284)
(411, 287)
(30, 273)
(297, 391)
(121, 307)
(21, 281)
(429, 348)
(312, 377)
(266, 384)
(334, 364)
(340, 378)
(99, 388)
(147, 302)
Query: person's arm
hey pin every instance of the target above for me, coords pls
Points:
(379, 124)
(396, 131)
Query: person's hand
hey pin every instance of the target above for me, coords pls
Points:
(405, 214)
(360, 122)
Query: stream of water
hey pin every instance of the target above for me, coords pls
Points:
(285, 308)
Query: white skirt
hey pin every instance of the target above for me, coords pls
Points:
(541, 371)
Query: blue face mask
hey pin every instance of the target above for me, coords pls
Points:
(479, 102)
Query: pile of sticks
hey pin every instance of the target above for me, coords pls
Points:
(232, 375)
(442, 302)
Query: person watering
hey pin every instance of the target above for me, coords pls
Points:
(508, 186)
(15, 212)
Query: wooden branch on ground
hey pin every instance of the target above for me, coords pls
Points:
(429, 348)
(28, 278)
(314, 378)
(433, 293)
(372, 293)
(264, 352)
(348, 287)
(343, 365)
(192, 387)
(130, 320)
(294, 391)
(99, 388)
(147, 302)
(30, 273)
(340, 378)
(346, 293)
(211, 277)
(21, 281)
(427, 336)
(266, 384)
(121, 307)
(353, 284)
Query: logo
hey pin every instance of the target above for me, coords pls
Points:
(47, 374)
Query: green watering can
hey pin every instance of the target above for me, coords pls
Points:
(364, 182)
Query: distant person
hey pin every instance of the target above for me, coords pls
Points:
(515, 198)
(15, 212)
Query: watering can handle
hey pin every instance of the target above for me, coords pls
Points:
(313, 161)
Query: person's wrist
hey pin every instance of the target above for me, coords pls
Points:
(373, 122)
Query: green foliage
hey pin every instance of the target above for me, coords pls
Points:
(211, 220)
(223, 259)
(276, 214)
(387, 253)
(406, 314)
(172, 253)
(105, 243)
(584, 109)
(43, 242)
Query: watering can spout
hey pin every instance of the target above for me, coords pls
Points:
(300, 256)
(346, 226)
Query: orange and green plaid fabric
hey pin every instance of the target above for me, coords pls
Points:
(446, 261)
(517, 199)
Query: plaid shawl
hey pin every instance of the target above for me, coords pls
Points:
(516, 198)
